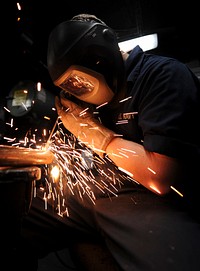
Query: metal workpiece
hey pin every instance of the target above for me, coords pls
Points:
(19, 156)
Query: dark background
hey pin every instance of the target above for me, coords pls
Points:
(24, 44)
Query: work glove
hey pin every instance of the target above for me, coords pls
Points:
(84, 126)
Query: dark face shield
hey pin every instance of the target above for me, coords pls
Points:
(87, 85)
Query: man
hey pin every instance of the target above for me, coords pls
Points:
(139, 114)
(155, 129)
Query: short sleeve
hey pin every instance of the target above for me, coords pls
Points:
(169, 109)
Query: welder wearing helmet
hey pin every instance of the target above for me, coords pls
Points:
(148, 110)
(84, 59)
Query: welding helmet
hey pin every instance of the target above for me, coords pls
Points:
(80, 51)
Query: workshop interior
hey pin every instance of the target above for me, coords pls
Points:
(27, 113)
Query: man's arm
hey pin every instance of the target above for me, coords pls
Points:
(155, 171)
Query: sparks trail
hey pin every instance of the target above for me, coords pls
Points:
(81, 173)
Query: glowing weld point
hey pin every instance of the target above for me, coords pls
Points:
(55, 172)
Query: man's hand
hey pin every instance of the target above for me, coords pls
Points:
(83, 125)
